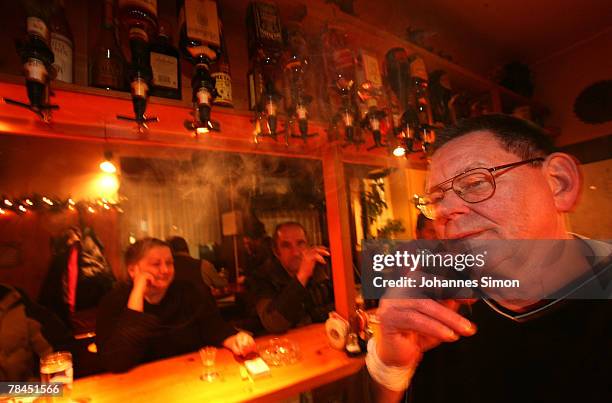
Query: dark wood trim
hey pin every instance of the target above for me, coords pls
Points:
(598, 149)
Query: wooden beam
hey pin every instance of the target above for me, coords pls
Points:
(339, 230)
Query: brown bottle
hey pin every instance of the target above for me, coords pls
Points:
(62, 43)
(165, 63)
(108, 66)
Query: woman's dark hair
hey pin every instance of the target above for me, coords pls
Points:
(137, 250)
(517, 136)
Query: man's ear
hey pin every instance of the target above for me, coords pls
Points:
(564, 179)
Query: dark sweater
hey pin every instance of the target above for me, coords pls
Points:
(185, 320)
(563, 356)
(282, 302)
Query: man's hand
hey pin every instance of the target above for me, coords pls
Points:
(409, 327)
(310, 258)
(240, 344)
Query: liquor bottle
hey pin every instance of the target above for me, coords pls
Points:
(200, 40)
(139, 19)
(354, 346)
(62, 43)
(265, 44)
(397, 71)
(221, 73)
(36, 55)
(440, 95)
(200, 43)
(420, 84)
(165, 64)
(138, 15)
(264, 30)
(108, 65)
(296, 62)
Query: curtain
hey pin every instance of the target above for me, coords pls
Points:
(168, 209)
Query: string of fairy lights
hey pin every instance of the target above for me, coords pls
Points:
(38, 203)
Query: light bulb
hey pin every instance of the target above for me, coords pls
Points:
(108, 167)
(399, 151)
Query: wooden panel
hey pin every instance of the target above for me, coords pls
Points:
(339, 231)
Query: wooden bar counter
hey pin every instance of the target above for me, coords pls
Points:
(177, 379)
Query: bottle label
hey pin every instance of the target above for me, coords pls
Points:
(196, 51)
(148, 5)
(223, 84)
(108, 74)
(371, 69)
(36, 26)
(139, 88)
(417, 69)
(267, 22)
(35, 70)
(301, 112)
(165, 70)
(62, 50)
(203, 96)
(202, 21)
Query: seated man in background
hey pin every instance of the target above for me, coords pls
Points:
(27, 332)
(194, 270)
(294, 286)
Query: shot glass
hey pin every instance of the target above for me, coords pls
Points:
(208, 355)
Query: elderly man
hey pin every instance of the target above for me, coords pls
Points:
(293, 287)
(496, 178)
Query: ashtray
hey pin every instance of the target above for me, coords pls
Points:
(279, 352)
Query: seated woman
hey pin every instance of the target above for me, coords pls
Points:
(153, 317)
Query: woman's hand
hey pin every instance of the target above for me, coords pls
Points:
(240, 344)
(141, 282)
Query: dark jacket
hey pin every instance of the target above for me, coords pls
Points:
(27, 332)
(282, 302)
(185, 320)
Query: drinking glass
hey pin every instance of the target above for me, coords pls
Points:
(208, 356)
(57, 367)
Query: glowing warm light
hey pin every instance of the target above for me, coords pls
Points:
(106, 206)
(22, 209)
(2, 212)
(48, 201)
(399, 151)
(132, 240)
(107, 185)
(202, 130)
(71, 208)
(8, 202)
(91, 209)
(71, 202)
(29, 202)
(108, 167)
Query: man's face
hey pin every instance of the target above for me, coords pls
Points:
(289, 247)
(522, 206)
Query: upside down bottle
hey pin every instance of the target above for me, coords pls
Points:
(36, 55)
(139, 19)
(200, 43)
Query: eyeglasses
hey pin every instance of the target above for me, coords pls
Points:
(473, 186)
